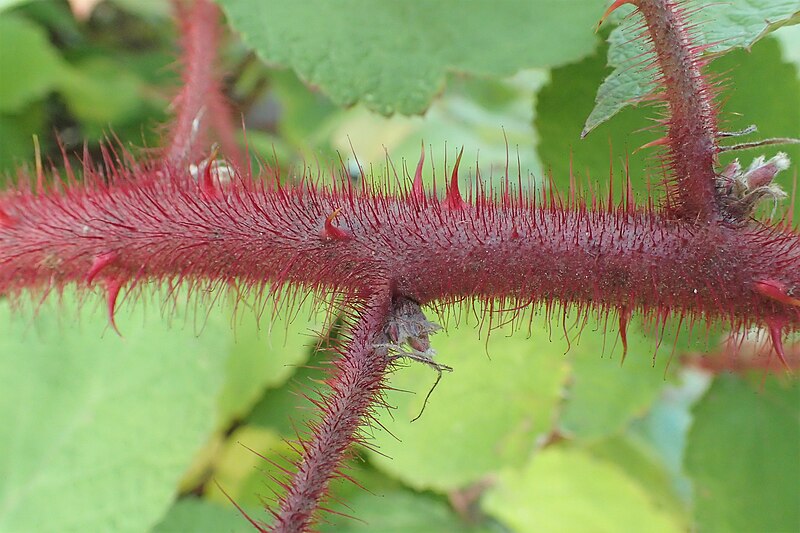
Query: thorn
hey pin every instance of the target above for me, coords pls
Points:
(207, 185)
(330, 232)
(790, 212)
(6, 220)
(453, 200)
(100, 262)
(613, 7)
(662, 141)
(775, 328)
(776, 290)
(630, 201)
(506, 183)
(417, 191)
(572, 184)
(624, 317)
(113, 287)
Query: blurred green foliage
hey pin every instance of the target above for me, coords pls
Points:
(720, 27)
(539, 428)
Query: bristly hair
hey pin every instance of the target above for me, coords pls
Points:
(182, 219)
(696, 188)
(125, 226)
(200, 107)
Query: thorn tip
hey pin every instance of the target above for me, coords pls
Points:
(453, 200)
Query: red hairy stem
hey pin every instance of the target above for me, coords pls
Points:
(173, 220)
(151, 229)
(200, 106)
(355, 389)
(691, 139)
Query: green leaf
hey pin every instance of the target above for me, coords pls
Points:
(16, 132)
(305, 113)
(29, 64)
(498, 409)
(241, 471)
(732, 24)
(485, 415)
(98, 429)
(663, 431)
(147, 8)
(250, 460)
(604, 396)
(564, 489)
(490, 118)
(200, 516)
(394, 56)
(638, 460)
(395, 511)
(743, 454)
(560, 108)
(98, 91)
(265, 355)
(286, 408)
(6, 4)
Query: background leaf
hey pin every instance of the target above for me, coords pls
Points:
(29, 64)
(264, 355)
(744, 456)
(16, 130)
(508, 394)
(497, 404)
(393, 56)
(563, 489)
(398, 511)
(98, 91)
(241, 470)
(733, 24)
(604, 396)
(97, 429)
(197, 515)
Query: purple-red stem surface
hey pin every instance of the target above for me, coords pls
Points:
(172, 220)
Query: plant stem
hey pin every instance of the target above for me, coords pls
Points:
(355, 388)
(147, 229)
(199, 106)
(692, 124)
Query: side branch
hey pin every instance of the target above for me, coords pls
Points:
(355, 389)
(691, 139)
(200, 105)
